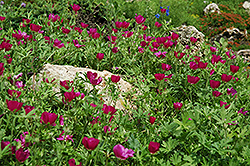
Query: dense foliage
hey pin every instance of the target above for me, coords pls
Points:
(186, 108)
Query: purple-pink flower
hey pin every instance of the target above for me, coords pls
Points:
(14, 105)
(231, 91)
(192, 79)
(122, 153)
(63, 137)
(21, 155)
(92, 78)
(115, 78)
(90, 143)
(177, 105)
(153, 147)
(139, 19)
(47, 117)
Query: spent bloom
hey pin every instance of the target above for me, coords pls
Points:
(122, 153)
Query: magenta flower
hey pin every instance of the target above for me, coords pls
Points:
(174, 36)
(193, 40)
(193, 65)
(213, 49)
(234, 69)
(212, 72)
(83, 25)
(75, 7)
(141, 50)
(192, 79)
(152, 119)
(147, 38)
(78, 29)
(72, 162)
(181, 54)
(61, 120)
(58, 44)
(14, 105)
(115, 50)
(90, 143)
(122, 153)
(115, 78)
(76, 44)
(1, 68)
(125, 24)
(153, 147)
(215, 59)
(159, 54)
(214, 84)
(65, 30)
(216, 93)
(35, 28)
(65, 84)
(177, 105)
(139, 19)
(118, 24)
(112, 39)
(226, 78)
(232, 91)
(92, 78)
(69, 96)
(224, 103)
(47, 117)
(166, 66)
(19, 84)
(4, 144)
(54, 17)
(21, 155)
(202, 65)
(2, 18)
(28, 109)
(157, 24)
(161, 40)
(108, 109)
(95, 35)
(241, 111)
(100, 56)
(14, 93)
(63, 137)
(159, 76)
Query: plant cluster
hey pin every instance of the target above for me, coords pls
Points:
(217, 22)
(185, 109)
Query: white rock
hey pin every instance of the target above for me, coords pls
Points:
(66, 72)
(211, 8)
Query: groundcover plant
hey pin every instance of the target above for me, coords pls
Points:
(185, 108)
